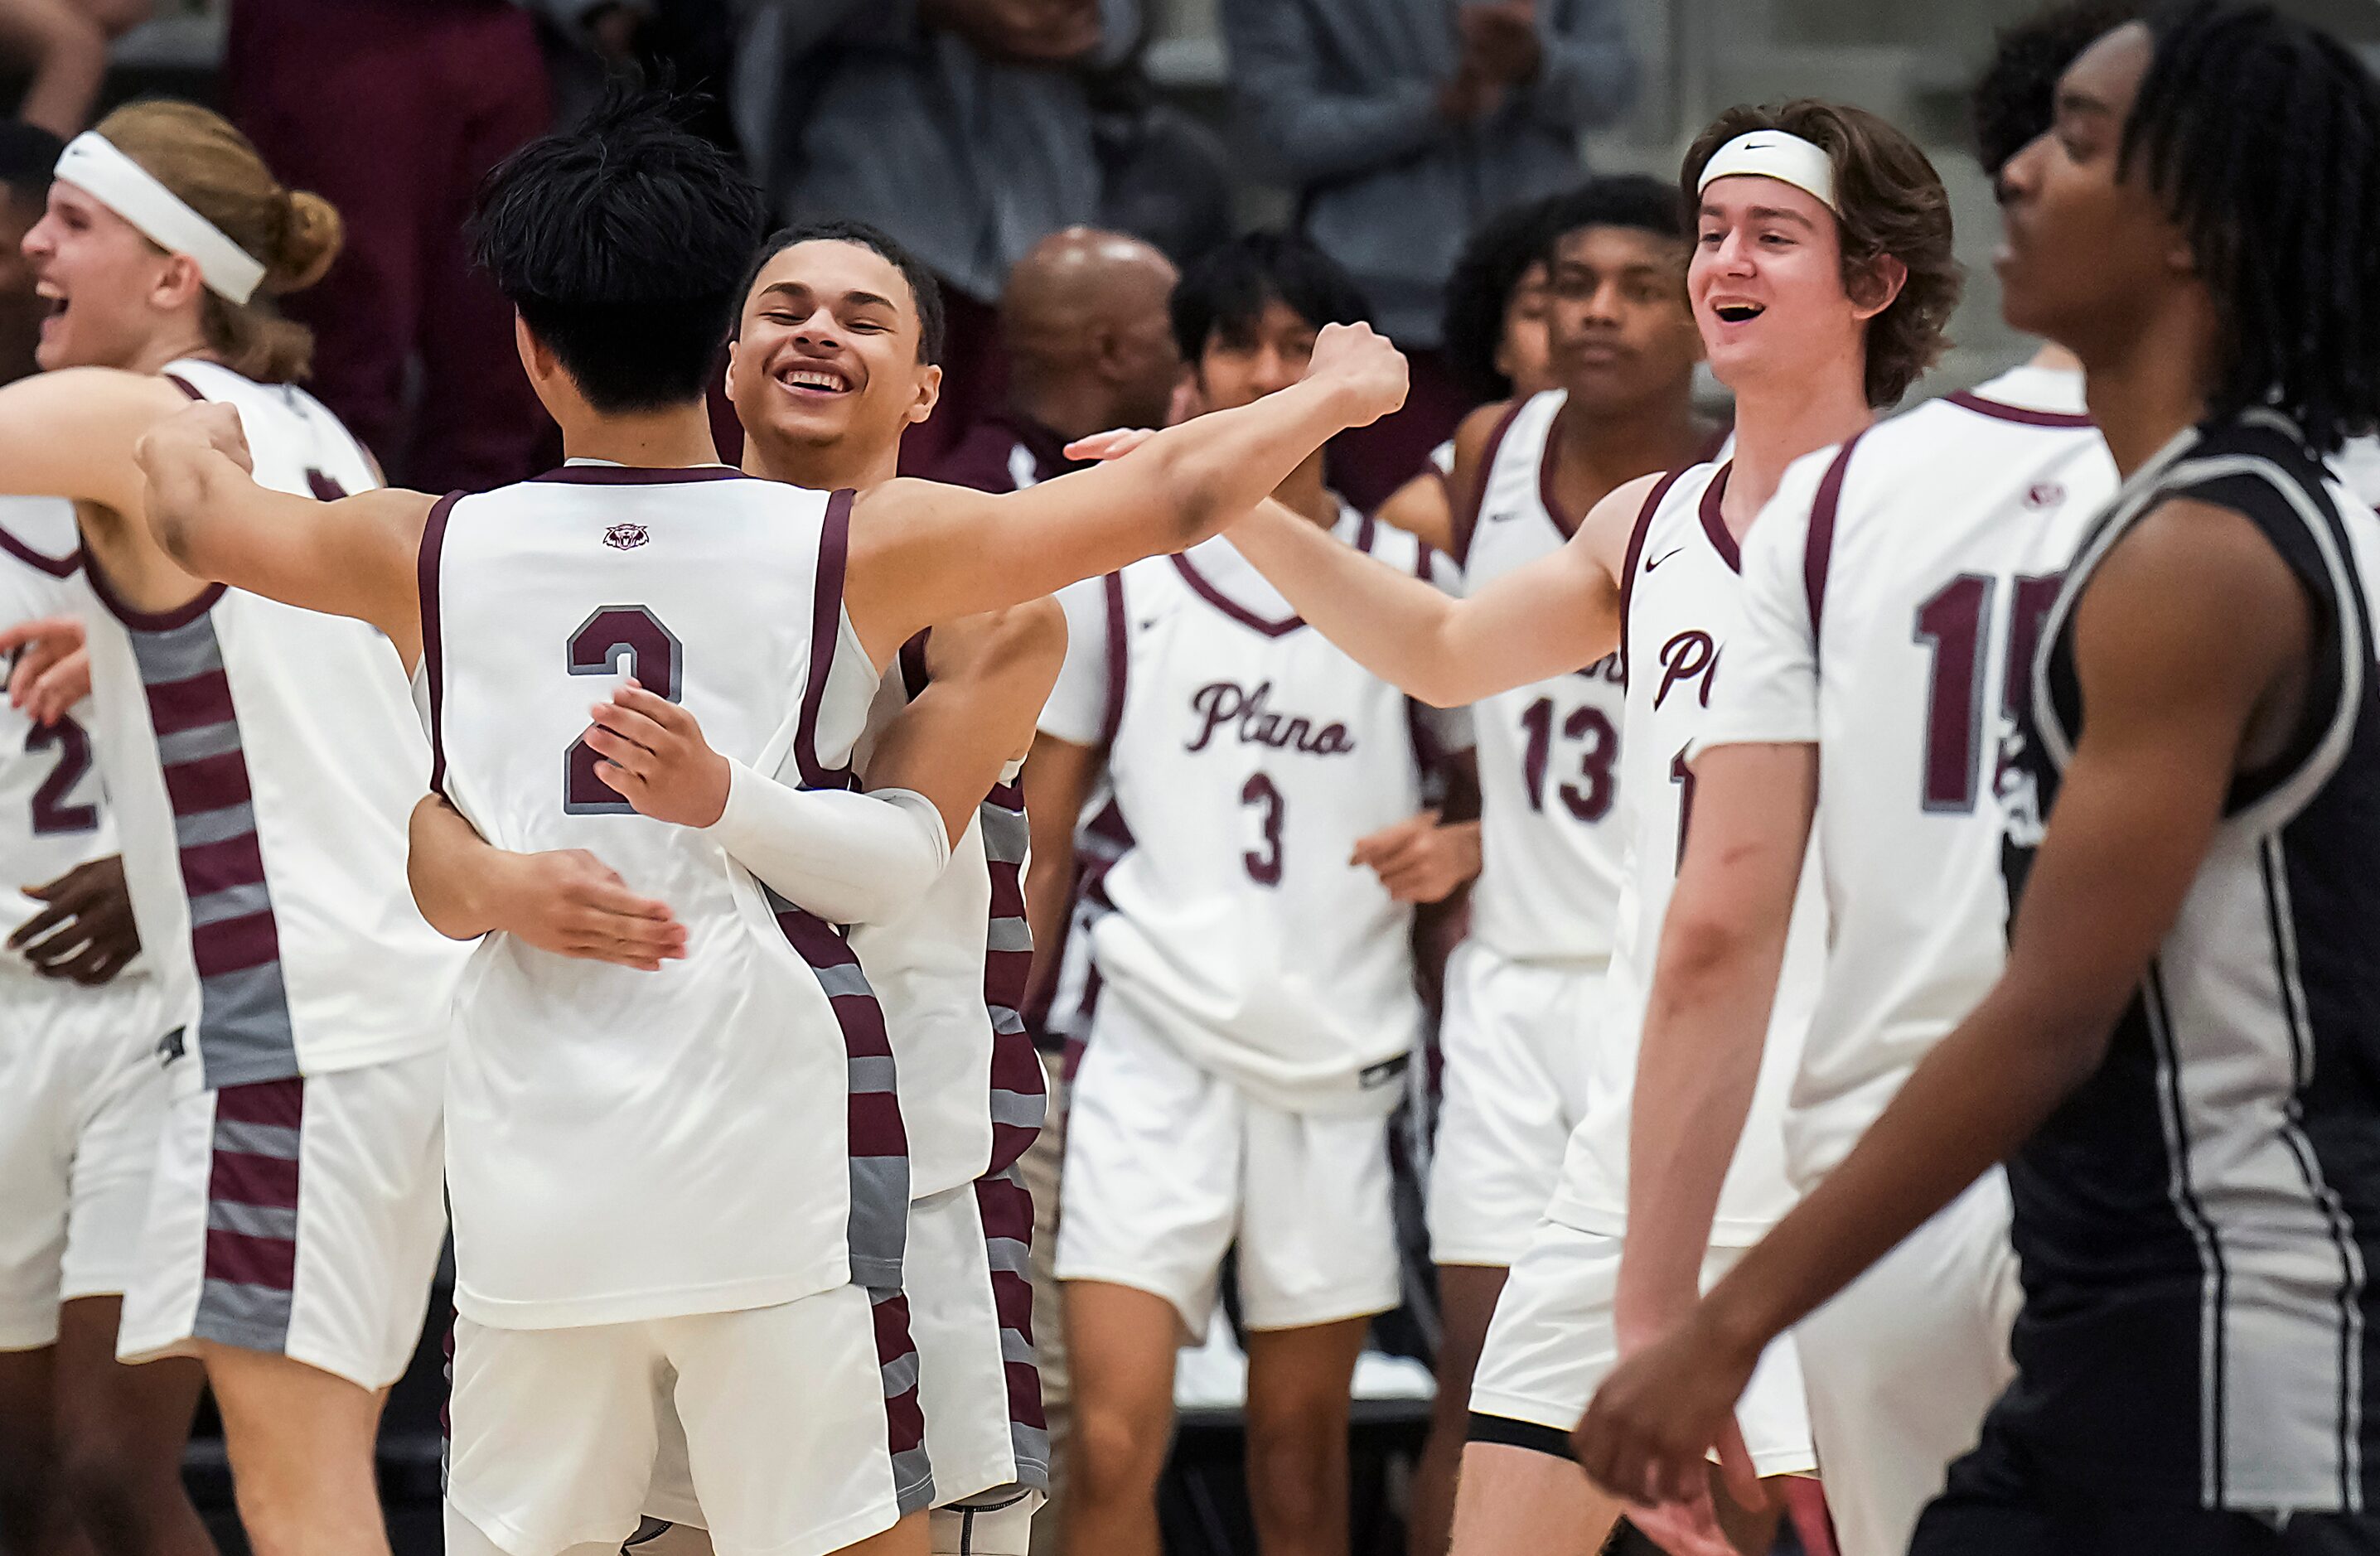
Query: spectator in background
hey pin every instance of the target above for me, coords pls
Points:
(1401, 124)
(28, 152)
(1495, 347)
(963, 128)
(64, 44)
(394, 110)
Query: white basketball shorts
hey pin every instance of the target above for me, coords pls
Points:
(1552, 1343)
(82, 1098)
(301, 1216)
(1167, 1166)
(800, 1422)
(1903, 1364)
(1519, 1040)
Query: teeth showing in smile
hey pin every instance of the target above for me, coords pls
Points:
(815, 378)
(1738, 312)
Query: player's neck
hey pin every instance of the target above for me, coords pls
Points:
(1593, 454)
(1775, 424)
(829, 467)
(178, 346)
(2054, 357)
(674, 439)
(1303, 494)
(2144, 390)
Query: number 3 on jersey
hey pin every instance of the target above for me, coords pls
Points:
(1264, 867)
(614, 634)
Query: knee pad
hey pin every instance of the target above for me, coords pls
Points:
(998, 1523)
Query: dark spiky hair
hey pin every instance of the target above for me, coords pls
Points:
(2261, 135)
(620, 243)
(1225, 291)
(2011, 104)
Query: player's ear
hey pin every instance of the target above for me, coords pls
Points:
(929, 394)
(1876, 285)
(179, 282)
(727, 385)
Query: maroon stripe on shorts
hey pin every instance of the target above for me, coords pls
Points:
(239, 1177)
(250, 1269)
(905, 1420)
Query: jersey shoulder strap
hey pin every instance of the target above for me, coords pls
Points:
(1118, 649)
(1819, 543)
(1467, 504)
(1653, 502)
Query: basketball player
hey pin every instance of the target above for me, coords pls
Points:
(1926, 549)
(1525, 990)
(89, 1447)
(946, 968)
(1258, 1010)
(2177, 1063)
(259, 763)
(1821, 281)
(753, 1248)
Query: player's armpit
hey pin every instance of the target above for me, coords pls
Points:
(356, 556)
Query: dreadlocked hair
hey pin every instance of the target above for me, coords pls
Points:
(2261, 137)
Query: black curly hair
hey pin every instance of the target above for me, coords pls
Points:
(2011, 104)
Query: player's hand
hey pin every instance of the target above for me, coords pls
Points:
(1420, 860)
(1112, 444)
(84, 933)
(202, 424)
(572, 903)
(1366, 364)
(655, 756)
(53, 667)
(1646, 1432)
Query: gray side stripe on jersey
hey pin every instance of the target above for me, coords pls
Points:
(2213, 1278)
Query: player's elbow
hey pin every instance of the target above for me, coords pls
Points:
(1703, 944)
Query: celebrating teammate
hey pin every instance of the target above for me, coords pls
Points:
(768, 611)
(260, 762)
(1893, 593)
(2177, 1063)
(1524, 992)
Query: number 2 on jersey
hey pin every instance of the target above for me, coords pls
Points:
(52, 814)
(602, 640)
(1264, 869)
(1954, 622)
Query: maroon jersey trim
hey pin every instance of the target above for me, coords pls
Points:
(826, 624)
(1466, 512)
(434, 638)
(638, 474)
(1818, 545)
(1119, 648)
(1637, 556)
(148, 621)
(1722, 539)
(2000, 411)
(1566, 524)
(183, 384)
(913, 663)
(1232, 608)
(39, 560)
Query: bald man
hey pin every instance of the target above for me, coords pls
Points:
(1089, 348)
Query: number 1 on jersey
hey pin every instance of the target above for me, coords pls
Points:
(603, 640)
(1954, 622)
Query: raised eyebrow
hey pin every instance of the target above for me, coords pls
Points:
(868, 300)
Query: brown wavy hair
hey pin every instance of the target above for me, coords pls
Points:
(1892, 203)
(292, 234)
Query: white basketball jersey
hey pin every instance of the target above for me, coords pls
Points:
(1551, 834)
(950, 975)
(723, 1133)
(1684, 600)
(1894, 593)
(1251, 755)
(263, 764)
(52, 814)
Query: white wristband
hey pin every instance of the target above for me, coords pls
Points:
(851, 858)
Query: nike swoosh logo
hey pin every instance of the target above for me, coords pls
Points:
(1655, 562)
(1501, 517)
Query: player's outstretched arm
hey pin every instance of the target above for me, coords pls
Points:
(2172, 705)
(1550, 617)
(927, 553)
(568, 901)
(1707, 1018)
(71, 433)
(352, 558)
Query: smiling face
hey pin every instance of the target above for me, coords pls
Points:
(1766, 284)
(2082, 249)
(827, 349)
(110, 292)
(1619, 327)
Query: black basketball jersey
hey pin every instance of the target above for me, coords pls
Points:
(2198, 1223)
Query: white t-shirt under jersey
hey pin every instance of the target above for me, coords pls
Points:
(1249, 756)
(1929, 554)
(1684, 606)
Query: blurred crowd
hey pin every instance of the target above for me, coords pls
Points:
(973, 131)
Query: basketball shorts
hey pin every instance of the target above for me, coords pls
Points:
(1552, 1343)
(1902, 1367)
(800, 1425)
(1518, 1039)
(966, 1274)
(1169, 1166)
(300, 1217)
(82, 1100)
(2003, 1499)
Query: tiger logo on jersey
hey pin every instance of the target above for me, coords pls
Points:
(625, 537)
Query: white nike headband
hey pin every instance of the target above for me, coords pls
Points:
(1773, 153)
(92, 163)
